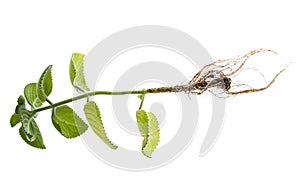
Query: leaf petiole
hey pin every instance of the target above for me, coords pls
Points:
(142, 101)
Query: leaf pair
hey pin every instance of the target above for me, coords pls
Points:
(70, 125)
(64, 119)
(91, 110)
(149, 129)
(37, 93)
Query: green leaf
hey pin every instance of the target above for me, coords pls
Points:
(38, 142)
(142, 120)
(149, 129)
(26, 118)
(30, 92)
(44, 86)
(21, 100)
(14, 120)
(29, 130)
(153, 135)
(67, 122)
(76, 70)
(93, 116)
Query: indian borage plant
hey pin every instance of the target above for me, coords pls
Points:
(215, 78)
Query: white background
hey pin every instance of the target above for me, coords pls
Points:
(258, 150)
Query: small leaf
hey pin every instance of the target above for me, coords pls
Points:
(14, 120)
(44, 86)
(26, 118)
(38, 142)
(140, 96)
(153, 135)
(72, 71)
(30, 92)
(21, 100)
(76, 70)
(93, 116)
(67, 122)
(142, 120)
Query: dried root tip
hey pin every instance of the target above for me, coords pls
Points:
(245, 58)
(256, 89)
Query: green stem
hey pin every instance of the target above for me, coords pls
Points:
(142, 101)
(85, 95)
(143, 92)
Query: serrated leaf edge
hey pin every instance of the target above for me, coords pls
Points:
(28, 142)
(40, 85)
(88, 111)
(151, 132)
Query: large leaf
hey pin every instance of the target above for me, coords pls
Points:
(67, 122)
(14, 120)
(44, 86)
(142, 121)
(30, 92)
(76, 70)
(93, 116)
(38, 142)
(153, 135)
